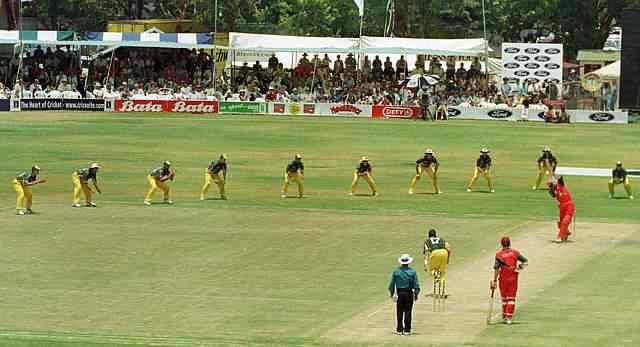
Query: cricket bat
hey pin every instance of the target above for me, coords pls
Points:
(490, 311)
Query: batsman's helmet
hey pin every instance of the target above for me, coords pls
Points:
(432, 232)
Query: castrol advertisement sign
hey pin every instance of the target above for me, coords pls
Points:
(187, 106)
(401, 112)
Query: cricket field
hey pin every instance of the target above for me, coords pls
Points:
(259, 270)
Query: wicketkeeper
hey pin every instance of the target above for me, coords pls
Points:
(80, 179)
(619, 176)
(547, 164)
(508, 263)
(159, 179)
(427, 164)
(294, 172)
(363, 171)
(483, 167)
(436, 256)
(216, 173)
(22, 184)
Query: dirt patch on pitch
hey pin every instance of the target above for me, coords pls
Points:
(464, 314)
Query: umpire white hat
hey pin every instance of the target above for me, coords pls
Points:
(405, 259)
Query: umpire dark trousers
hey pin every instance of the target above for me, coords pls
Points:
(403, 309)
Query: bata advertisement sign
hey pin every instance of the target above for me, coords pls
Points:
(402, 112)
(190, 106)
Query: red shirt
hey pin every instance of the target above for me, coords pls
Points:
(562, 195)
(507, 261)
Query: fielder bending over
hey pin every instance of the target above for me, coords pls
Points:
(363, 170)
(158, 179)
(619, 176)
(80, 179)
(22, 184)
(483, 167)
(547, 164)
(428, 164)
(215, 173)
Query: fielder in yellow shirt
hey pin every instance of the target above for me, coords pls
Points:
(547, 164)
(22, 184)
(436, 257)
(428, 164)
(294, 173)
(483, 168)
(216, 173)
(80, 179)
(619, 176)
(363, 170)
(158, 179)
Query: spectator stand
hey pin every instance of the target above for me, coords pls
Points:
(316, 73)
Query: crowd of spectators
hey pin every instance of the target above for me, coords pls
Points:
(137, 73)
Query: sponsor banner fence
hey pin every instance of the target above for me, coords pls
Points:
(243, 107)
(402, 112)
(494, 113)
(344, 110)
(190, 106)
(5, 105)
(295, 108)
(61, 105)
(533, 62)
(586, 116)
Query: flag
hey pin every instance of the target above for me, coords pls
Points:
(360, 5)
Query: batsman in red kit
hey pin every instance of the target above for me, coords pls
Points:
(509, 262)
(559, 191)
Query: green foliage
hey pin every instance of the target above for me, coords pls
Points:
(579, 23)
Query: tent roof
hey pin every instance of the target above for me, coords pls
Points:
(609, 72)
(155, 40)
(279, 43)
(448, 47)
(366, 44)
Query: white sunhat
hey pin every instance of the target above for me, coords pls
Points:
(405, 259)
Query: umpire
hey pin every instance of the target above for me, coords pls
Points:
(404, 283)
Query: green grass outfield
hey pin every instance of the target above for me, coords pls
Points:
(260, 270)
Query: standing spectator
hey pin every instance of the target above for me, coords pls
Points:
(406, 287)
(401, 68)
(338, 67)
(350, 63)
(388, 69)
(273, 62)
(461, 73)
